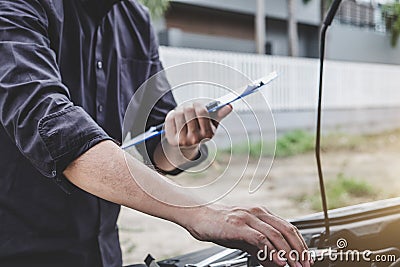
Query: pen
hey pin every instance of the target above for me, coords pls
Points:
(211, 107)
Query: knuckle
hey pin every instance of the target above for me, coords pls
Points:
(208, 133)
(202, 133)
(276, 236)
(265, 210)
(256, 210)
(178, 113)
(197, 104)
(188, 109)
(260, 239)
(235, 220)
(195, 140)
(291, 229)
(201, 110)
(183, 142)
(192, 139)
(170, 116)
(239, 211)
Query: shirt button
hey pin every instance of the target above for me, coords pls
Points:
(100, 64)
(100, 108)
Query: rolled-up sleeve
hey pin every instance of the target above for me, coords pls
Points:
(35, 106)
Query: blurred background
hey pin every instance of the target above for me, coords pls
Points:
(361, 122)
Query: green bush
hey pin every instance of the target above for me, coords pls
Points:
(343, 191)
(294, 143)
(253, 149)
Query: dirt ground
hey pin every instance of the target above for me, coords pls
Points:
(374, 159)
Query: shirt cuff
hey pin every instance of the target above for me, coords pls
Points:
(201, 156)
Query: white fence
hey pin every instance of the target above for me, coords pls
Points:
(347, 85)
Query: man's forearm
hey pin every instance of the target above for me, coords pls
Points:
(109, 173)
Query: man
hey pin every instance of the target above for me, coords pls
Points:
(67, 72)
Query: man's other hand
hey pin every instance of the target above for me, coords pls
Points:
(251, 230)
(188, 125)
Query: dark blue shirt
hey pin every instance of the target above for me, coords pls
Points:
(68, 70)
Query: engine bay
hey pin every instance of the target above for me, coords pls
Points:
(364, 235)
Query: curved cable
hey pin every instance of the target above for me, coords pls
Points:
(318, 132)
(327, 22)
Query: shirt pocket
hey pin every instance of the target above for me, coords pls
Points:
(133, 73)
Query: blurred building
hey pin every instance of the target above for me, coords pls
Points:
(358, 33)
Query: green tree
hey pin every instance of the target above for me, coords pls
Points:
(391, 13)
(157, 8)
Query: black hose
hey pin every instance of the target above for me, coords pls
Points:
(327, 22)
(318, 132)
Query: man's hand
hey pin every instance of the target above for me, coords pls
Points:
(251, 230)
(185, 127)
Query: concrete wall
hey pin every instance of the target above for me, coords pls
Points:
(349, 43)
(308, 14)
(178, 38)
(276, 36)
(276, 13)
(345, 42)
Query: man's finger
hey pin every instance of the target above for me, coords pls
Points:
(264, 250)
(276, 238)
(181, 128)
(289, 232)
(222, 113)
(203, 117)
(266, 263)
(170, 129)
(291, 228)
(192, 125)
